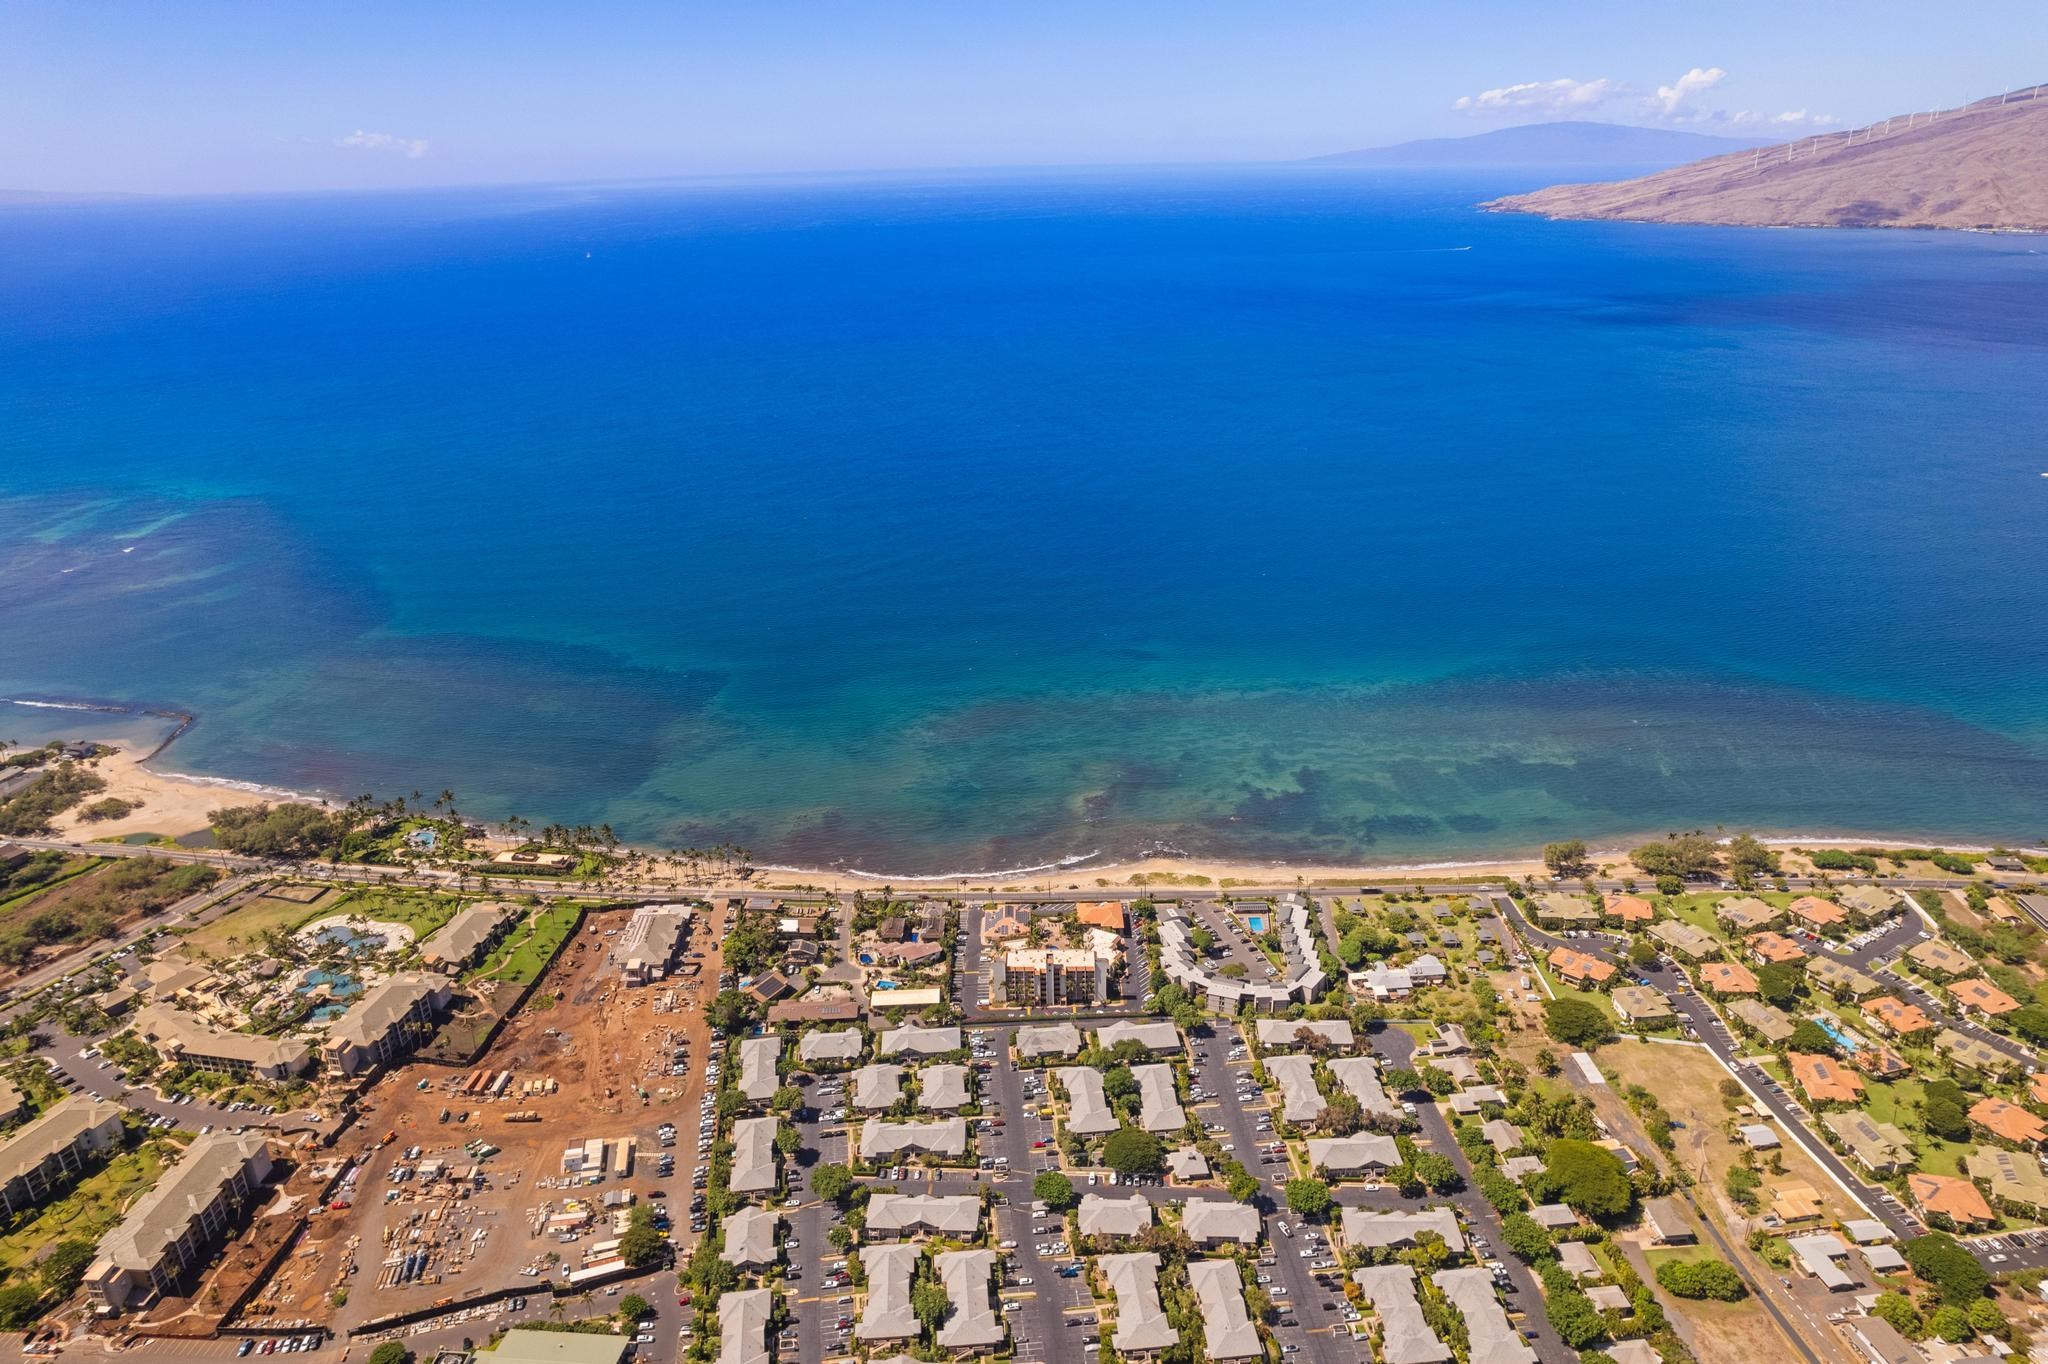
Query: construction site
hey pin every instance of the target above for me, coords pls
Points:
(455, 1185)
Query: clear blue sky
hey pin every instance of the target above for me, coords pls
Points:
(194, 95)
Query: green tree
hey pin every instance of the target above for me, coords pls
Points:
(642, 1245)
(1244, 1186)
(1588, 1178)
(1133, 1151)
(1202, 940)
(1309, 1197)
(931, 1303)
(1952, 1324)
(1681, 855)
(1809, 1036)
(1897, 1310)
(1576, 1022)
(729, 1011)
(1747, 856)
(1700, 1279)
(1954, 1272)
(1642, 953)
(1780, 982)
(391, 1352)
(19, 1304)
(1987, 1319)
(1526, 1237)
(1437, 1172)
(2031, 1022)
(1567, 858)
(66, 1264)
(632, 1307)
(832, 1183)
(1054, 1190)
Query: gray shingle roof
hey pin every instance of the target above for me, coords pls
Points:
(1226, 1327)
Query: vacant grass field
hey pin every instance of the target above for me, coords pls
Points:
(242, 928)
(88, 1212)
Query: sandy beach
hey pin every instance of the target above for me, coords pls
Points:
(173, 805)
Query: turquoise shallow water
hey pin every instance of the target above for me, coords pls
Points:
(971, 522)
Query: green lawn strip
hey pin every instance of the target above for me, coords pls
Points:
(421, 913)
(88, 1212)
(528, 949)
(1898, 1103)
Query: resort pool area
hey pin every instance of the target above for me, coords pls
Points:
(354, 941)
(1255, 923)
(327, 1013)
(867, 959)
(338, 985)
(1840, 1038)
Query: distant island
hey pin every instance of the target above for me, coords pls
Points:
(1548, 146)
(1983, 166)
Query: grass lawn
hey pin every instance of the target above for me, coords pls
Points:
(1563, 991)
(88, 1212)
(529, 947)
(242, 928)
(1898, 1102)
(420, 912)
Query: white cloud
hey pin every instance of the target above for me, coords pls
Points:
(1671, 100)
(1560, 96)
(412, 148)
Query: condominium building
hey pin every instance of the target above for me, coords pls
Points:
(391, 1018)
(652, 943)
(174, 1228)
(462, 941)
(180, 1037)
(48, 1154)
(1052, 975)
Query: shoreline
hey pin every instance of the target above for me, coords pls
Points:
(174, 804)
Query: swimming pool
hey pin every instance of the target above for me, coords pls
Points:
(1255, 922)
(1841, 1039)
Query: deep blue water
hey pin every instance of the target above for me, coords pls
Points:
(957, 522)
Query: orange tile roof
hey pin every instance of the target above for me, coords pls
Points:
(1817, 911)
(1728, 978)
(1631, 908)
(2038, 1082)
(1956, 1199)
(1880, 1061)
(1575, 965)
(2010, 1121)
(1898, 1015)
(1107, 914)
(1824, 1079)
(1775, 947)
(1982, 994)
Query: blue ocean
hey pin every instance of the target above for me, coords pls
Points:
(939, 523)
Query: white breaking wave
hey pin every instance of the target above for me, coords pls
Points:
(63, 705)
(249, 787)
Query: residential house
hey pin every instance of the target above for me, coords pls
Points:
(1159, 1107)
(1774, 1026)
(2008, 1122)
(1879, 1147)
(1896, 1017)
(1565, 911)
(1365, 1154)
(2013, 1177)
(1841, 979)
(1728, 978)
(1973, 1053)
(971, 1322)
(1405, 1336)
(1209, 1222)
(1980, 996)
(1142, 1327)
(822, 1047)
(1684, 939)
(1870, 904)
(1642, 1004)
(1746, 914)
(1492, 1337)
(885, 1140)
(1227, 1328)
(1300, 1100)
(1823, 1079)
(1100, 1216)
(1579, 969)
(1667, 1224)
(1941, 960)
(1774, 948)
(1630, 910)
(1944, 1199)
(1816, 913)
(1051, 1039)
(901, 1214)
(1088, 1110)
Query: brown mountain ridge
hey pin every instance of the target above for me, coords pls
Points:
(1982, 167)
